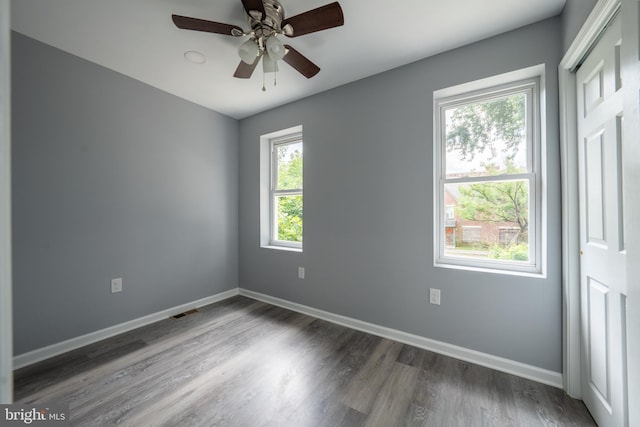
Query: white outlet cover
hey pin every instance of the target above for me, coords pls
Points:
(300, 272)
(116, 285)
(434, 296)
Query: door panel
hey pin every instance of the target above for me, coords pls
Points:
(603, 259)
(593, 89)
(599, 339)
(594, 189)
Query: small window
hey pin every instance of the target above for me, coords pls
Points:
(509, 235)
(281, 189)
(471, 234)
(286, 191)
(488, 183)
(450, 212)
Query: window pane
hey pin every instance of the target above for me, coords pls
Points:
(487, 138)
(289, 158)
(490, 220)
(289, 218)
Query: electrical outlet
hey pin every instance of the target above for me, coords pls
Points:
(300, 272)
(434, 296)
(116, 285)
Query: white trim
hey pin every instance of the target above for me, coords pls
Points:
(602, 13)
(53, 350)
(274, 192)
(6, 318)
(513, 367)
(283, 248)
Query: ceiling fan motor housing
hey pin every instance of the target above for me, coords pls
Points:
(270, 23)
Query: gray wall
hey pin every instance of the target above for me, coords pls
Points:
(574, 14)
(113, 178)
(368, 233)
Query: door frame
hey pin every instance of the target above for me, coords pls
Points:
(600, 16)
(6, 318)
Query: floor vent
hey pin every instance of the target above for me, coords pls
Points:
(186, 313)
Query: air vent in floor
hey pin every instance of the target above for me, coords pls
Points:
(186, 313)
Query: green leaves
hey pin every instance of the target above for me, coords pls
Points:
(289, 167)
(495, 125)
(290, 218)
(506, 201)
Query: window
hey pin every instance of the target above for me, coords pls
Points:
(450, 212)
(281, 203)
(509, 235)
(471, 234)
(286, 191)
(488, 155)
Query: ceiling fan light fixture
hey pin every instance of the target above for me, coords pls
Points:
(266, 22)
(248, 51)
(275, 48)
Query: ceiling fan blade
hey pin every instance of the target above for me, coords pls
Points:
(255, 8)
(322, 18)
(196, 24)
(244, 70)
(300, 62)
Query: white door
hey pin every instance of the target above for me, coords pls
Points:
(603, 256)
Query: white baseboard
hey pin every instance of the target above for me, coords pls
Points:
(490, 361)
(47, 352)
(523, 370)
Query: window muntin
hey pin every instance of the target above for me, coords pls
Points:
(286, 199)
(487, 168)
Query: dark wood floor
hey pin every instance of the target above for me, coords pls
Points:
(245, 363)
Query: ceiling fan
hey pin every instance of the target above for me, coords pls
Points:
(267, 21)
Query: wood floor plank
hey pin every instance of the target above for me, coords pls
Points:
(240, 362)
(364, 387)
(394, 398)
(324, 406)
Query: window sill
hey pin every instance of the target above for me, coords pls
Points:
(507, 270)
(282, 248)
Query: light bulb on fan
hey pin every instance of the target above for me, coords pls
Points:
(275, 48)
(248, 51)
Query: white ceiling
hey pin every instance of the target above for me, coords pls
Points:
(137, 38)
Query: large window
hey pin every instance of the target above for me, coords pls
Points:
(487, 152)
(286, 191)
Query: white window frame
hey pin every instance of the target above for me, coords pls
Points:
(274, 193)
(531, 81)
(268, 216)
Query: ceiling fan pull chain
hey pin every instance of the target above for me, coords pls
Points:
(275, 75)
(264, 89)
